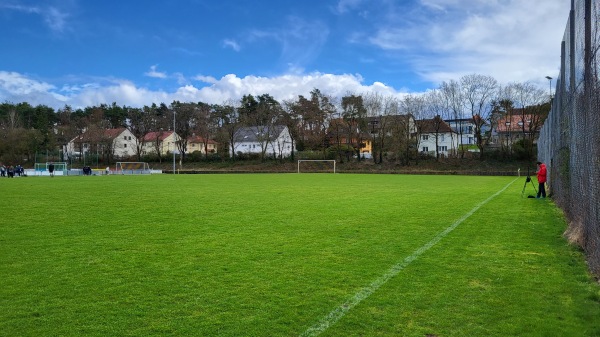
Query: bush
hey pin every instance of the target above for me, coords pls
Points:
(521, 149)
(247, 156)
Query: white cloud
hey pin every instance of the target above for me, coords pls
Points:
(17, 88)
(344, 6)
(55, 19)
(228, 43)
(154, 73)
(52, 16)
(301, 41)
(205, 79)
(16, 84)
(509, 40)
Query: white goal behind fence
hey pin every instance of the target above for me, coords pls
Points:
(314, 165)
(123, 167)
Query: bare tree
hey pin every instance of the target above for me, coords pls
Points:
(228, 120)
(455, 103)
(268, 112)
(354, 115)
(159, 125)
(375, 105)
(185, 122)
(534, 107)
(413, 105)
(314, 115)
(437, 108)
(502, 113)
(479, 92)
(291, 117)
(205, 125)
(139, 126)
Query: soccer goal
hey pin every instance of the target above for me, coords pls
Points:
(60, 168)
(123, 167)
(316, 166)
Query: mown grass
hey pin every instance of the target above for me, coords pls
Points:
(273, 254)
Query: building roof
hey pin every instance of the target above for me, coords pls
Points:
(513, 123)
(96, 135)
(255, 134)
(470, 120)
(435, 125)
(198, 139)
(156, 135)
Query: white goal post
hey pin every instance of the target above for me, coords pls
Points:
(60, 168)
(129, 167)
(316, 161)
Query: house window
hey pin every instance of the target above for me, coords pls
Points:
(442, 148)
(425, 137)
(125, 145)
(442, 138)
(425, 149)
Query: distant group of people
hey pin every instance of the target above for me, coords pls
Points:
(10, 171)
(87, 171)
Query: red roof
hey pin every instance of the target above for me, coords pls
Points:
(113, 133)
(156, 135)
(198, 139)
(96, 135)
(513, 123)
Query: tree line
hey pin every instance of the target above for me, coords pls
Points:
(321, 125)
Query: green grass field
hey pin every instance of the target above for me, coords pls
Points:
(288, 255)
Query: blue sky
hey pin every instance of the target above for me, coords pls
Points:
(132, 52)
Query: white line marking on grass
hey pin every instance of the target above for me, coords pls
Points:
(364, 293)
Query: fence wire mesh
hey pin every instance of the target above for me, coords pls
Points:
(569, 141)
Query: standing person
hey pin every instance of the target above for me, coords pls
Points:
(2, 171)
(51, 169)
(541, 177)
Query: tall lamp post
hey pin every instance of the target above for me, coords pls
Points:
(550, 83)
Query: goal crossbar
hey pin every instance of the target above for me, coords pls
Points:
(317, 160)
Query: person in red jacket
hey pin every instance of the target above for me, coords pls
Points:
(541, 177)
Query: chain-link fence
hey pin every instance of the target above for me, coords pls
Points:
(569, 142)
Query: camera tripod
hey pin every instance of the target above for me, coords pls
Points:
(528, 180)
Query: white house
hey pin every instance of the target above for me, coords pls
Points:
(465, 127)
(267, 140)
(435, 132)
(119, 143)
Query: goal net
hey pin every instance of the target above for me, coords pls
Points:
(132, 168)
(60, 168)
(316, 166)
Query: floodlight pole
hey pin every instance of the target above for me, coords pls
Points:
(174, 142)
(550, 83)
